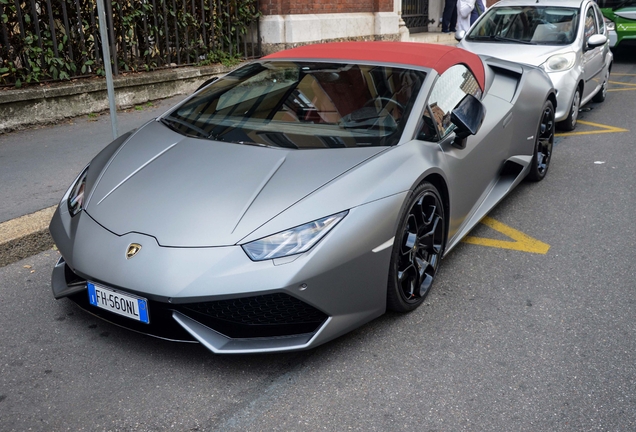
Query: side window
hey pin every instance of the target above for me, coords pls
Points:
(590, 23)
(600, 20)
(428, 131)
(449, 89)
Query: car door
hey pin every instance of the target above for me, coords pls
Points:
(593, 59)
(471, 170)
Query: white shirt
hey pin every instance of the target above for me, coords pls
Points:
(464, 8)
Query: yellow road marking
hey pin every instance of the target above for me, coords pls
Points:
(522, 242)
(601, 129)
(622, 83)
(622, 89)
(626, 86)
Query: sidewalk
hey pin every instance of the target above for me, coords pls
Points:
(38, 165)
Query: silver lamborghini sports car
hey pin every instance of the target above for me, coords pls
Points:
(301, 195)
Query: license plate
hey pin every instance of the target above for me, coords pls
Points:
(124, 304)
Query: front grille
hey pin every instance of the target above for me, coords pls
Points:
(266, 315)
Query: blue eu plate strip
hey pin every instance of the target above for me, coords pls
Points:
(143, 311)
(92, 297)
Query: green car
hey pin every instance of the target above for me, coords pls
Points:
(620, 18)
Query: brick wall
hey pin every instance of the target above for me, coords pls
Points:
(287, 7)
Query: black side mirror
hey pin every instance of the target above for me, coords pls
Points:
(206, 82)
(467, 116)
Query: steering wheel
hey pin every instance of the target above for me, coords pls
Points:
(384, 99)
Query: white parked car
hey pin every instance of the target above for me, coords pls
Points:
(566, 38)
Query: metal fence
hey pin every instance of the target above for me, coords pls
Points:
(44, 40)
(415, 15)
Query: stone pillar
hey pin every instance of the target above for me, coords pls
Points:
(287, 23)
(435, 11)
(403, 31)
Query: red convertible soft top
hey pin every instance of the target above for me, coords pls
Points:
(437, 57)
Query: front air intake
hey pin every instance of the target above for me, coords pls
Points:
(268, 315)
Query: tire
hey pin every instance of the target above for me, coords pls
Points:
(543, 144)
(417, 249)
(570, 122)
(602, 93)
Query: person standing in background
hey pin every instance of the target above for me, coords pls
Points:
(449, 16)
(464, 9)
(477, 10)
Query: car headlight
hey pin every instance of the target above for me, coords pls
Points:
(293, 241)
(75, 195)
(559, 62)
(609, 24)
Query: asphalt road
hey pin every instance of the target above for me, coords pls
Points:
(37, 165)
(507, 340)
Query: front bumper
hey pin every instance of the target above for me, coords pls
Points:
(199, 294)
(565, 84)
(241, 325)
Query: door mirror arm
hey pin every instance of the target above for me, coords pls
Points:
(468, 117)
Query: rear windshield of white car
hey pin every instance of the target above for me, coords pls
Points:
(615, 4)
(534, 25)
(302, 105)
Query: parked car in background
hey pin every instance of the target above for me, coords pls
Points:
(620, 20)
(566, 38)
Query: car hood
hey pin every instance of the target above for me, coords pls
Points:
(534, 55)
(626, 12)
(195, 193)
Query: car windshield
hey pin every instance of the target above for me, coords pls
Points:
(541, 25)
(615, 4)
(302, 105)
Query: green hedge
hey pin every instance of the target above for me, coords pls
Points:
(45, 40)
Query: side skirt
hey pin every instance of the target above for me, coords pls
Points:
(513, 172)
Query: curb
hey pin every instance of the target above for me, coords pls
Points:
(25, 236)
(48, 104)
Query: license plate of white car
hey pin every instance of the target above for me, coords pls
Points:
(124, 304)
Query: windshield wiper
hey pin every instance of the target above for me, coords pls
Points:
(623, 4)
(499, 39)
(168, 120)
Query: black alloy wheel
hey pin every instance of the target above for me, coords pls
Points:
(543, 144)
(417, 249)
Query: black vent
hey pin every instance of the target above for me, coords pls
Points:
(267, 315)
(71, 277)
